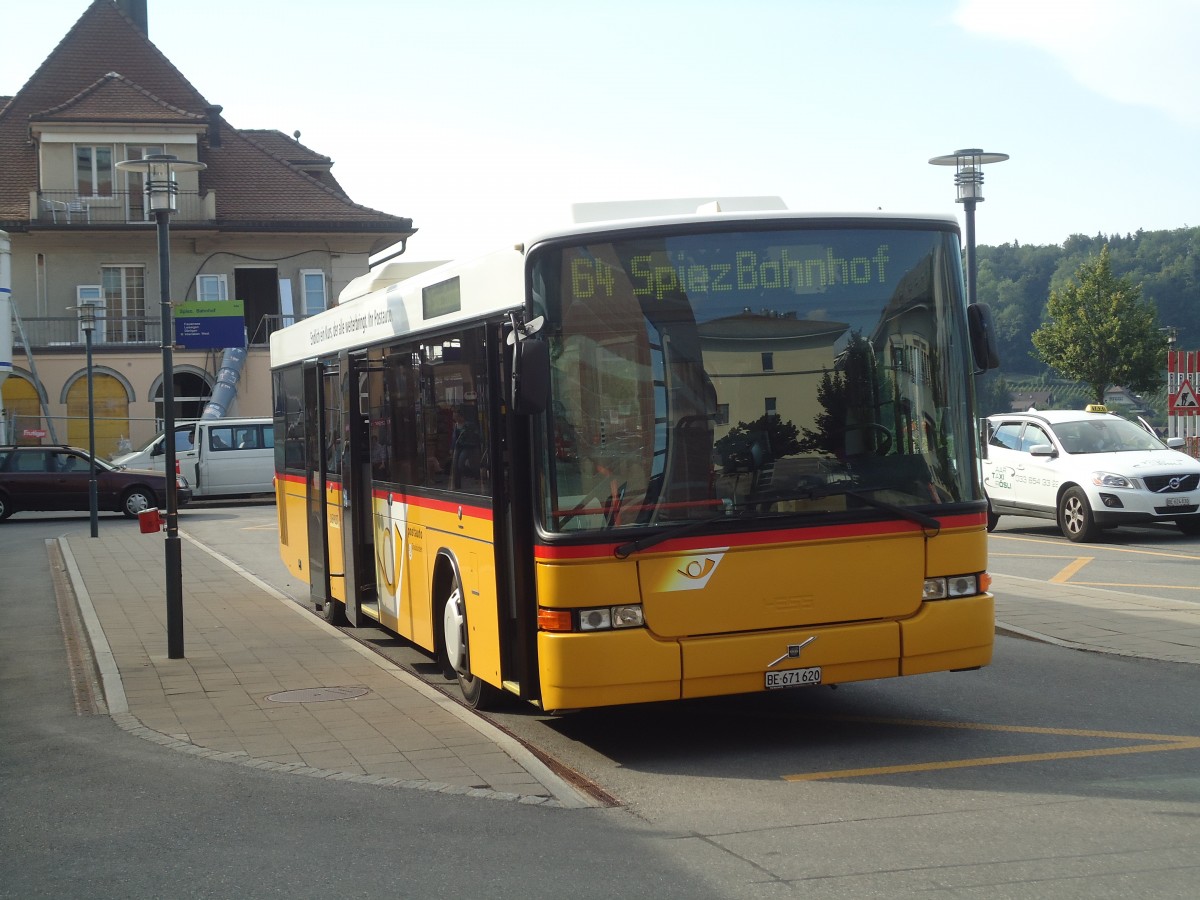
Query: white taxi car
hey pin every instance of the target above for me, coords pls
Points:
(1090, 470)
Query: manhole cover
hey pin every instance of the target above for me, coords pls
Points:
(316, 695)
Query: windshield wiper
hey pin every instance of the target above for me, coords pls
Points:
(624, 551)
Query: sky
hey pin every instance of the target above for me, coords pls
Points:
(484, 122)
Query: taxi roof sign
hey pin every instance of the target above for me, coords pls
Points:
(1095, 408)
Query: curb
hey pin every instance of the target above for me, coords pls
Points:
(565, 796)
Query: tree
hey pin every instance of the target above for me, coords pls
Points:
(1101, 332)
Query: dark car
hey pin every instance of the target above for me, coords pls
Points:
(52, 478)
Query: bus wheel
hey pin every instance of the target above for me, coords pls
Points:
(334, 612)
(477, 692)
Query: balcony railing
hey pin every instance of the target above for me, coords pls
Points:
(48, 332)
(112, 332)
(117, 208)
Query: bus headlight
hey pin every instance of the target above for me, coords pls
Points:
(606, 617)
(950, 586)
(600, 618)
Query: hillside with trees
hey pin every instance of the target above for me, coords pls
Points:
(1016, 281)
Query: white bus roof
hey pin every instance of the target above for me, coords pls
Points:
(610, 210)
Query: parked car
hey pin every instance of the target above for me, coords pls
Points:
(53, 478)
(218, 457)
(1090, 470)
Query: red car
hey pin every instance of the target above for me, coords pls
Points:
(54, 478)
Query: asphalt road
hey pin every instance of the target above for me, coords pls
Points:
(89, 810)
(1051, 773)
(1154, 560)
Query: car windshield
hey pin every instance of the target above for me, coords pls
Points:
(1106, 434)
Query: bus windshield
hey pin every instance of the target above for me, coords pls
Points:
(777, 371)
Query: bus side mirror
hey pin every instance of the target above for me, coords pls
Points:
(983, 337)
(530, 376)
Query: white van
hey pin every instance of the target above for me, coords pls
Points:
(218, 457)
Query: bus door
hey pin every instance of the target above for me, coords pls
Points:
(358, 533)
(513, 520)
(316, 515)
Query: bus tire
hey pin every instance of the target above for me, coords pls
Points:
(477, 693)
(334, 612)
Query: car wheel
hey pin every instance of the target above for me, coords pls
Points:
(1190, 525)
(992, 519)
(476, 692)
(135, 500)
(1075, 518)
(6, 509)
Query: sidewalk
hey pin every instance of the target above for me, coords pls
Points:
(1100, 620)
(266, 684)
(245, 643)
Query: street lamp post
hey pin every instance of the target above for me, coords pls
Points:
(87, 324)
(968, 178)
(159, 173)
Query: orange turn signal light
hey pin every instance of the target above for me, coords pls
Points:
(554, 619)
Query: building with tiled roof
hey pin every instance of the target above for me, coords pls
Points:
(265, 223)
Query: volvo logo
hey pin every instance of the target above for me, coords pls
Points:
(1174, 484)
(793, 651)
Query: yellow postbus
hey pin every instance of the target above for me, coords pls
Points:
(651, 459)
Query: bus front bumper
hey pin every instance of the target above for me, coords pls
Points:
(618, 667)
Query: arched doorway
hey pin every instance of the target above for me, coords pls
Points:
(22, 410)
(111, 413)
(192, 390)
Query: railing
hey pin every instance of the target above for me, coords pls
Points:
(49, 332)
(268, 325)
(118, 208)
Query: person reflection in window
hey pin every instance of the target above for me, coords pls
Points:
(465, 444)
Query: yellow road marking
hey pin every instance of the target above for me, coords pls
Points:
(1066, 572)
(1160, 743)
(1127, 584)
(1164, 553)
(1032, 556)
(1014, 729)
(996, 761)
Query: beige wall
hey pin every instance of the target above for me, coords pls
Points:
(49, 290)
(141, 374)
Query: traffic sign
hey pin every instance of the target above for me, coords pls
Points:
(1184, 401)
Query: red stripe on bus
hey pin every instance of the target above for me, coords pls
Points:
(436, 505)
(756, 538)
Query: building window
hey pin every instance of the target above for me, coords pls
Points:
(93, 170)
(312, 291)
(135, 182)
(125, 302)
(211, 287)
(722, 414)
(94, 294)
(769, 406)
(768, 362)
